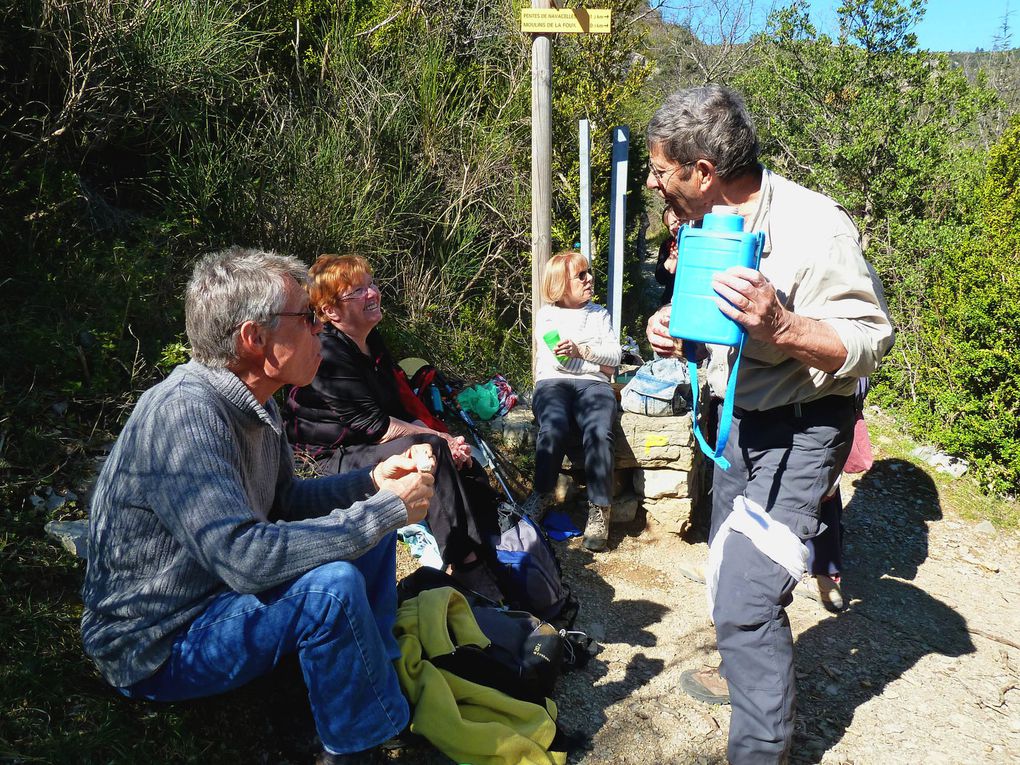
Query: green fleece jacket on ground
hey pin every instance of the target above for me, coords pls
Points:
(466, 721)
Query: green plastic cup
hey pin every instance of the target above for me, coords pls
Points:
(552, 339)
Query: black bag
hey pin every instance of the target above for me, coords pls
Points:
(524, 659)
(530, 573)
(526, 655)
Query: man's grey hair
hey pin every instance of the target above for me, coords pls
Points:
(230, 287)
(710, 122)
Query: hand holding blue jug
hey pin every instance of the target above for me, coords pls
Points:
(721, 243)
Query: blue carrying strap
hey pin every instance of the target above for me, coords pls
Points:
(725, 418)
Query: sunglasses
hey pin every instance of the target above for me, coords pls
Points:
(309, 315)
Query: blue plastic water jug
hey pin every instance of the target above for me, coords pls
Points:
(719, 244)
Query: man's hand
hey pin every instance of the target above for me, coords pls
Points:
(665, 344)
(753, 303)
(423, 458)
(658, 335)
(399, 474)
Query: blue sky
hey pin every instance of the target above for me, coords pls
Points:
(949, 25)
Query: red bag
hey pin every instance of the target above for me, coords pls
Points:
(414, 405)
(861, 458)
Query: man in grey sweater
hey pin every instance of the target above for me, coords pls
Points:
(209, 560)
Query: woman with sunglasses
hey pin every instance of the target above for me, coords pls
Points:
(352, 416)
(572, 390)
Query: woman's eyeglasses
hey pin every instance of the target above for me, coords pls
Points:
(360, 292)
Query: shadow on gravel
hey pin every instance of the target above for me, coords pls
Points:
(848, 659)
(584, 695)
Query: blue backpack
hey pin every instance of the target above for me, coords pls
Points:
(529, 571)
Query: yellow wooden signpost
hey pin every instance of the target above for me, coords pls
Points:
(586, 21)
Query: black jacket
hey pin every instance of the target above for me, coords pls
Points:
(351, 399)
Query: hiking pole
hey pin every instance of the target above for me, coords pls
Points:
(483, 445)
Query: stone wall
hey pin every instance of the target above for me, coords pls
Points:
(658, 466)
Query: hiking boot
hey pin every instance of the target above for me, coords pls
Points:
(705, 685)
(596, 532)
(537, 505)
(823, 589)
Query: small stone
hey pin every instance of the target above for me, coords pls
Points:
(955, 468)
(73, 535)
(55, 502)
(597, 632)
(985, 527)
(624, 508)
(832, 689)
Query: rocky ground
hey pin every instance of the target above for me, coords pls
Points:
(923, 666)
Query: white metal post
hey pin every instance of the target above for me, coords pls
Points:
(617, 223)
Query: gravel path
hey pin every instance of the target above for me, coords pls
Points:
(924, 665)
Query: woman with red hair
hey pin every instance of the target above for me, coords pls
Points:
(352, 416)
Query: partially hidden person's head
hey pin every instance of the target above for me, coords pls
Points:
(344, 293)
(567, 280)
(670, 220)
(699, 138)
(248, 310)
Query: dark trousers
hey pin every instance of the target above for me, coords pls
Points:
(462, 514)
(559, 406)
(785, 460)
(827, 548)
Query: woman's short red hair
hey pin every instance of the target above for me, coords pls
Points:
(333, 275)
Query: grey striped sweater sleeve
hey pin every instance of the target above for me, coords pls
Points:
(200, 497)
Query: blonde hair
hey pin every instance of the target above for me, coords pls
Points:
(331, 275)
(557, 274)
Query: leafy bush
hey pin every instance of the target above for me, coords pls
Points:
(968, 397)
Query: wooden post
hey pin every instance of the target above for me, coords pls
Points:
(541, 167)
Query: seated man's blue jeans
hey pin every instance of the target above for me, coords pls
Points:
(338, 618)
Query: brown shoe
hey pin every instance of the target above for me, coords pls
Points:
(705, 685)
(823, 589)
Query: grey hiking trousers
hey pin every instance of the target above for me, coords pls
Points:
(784, 459)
